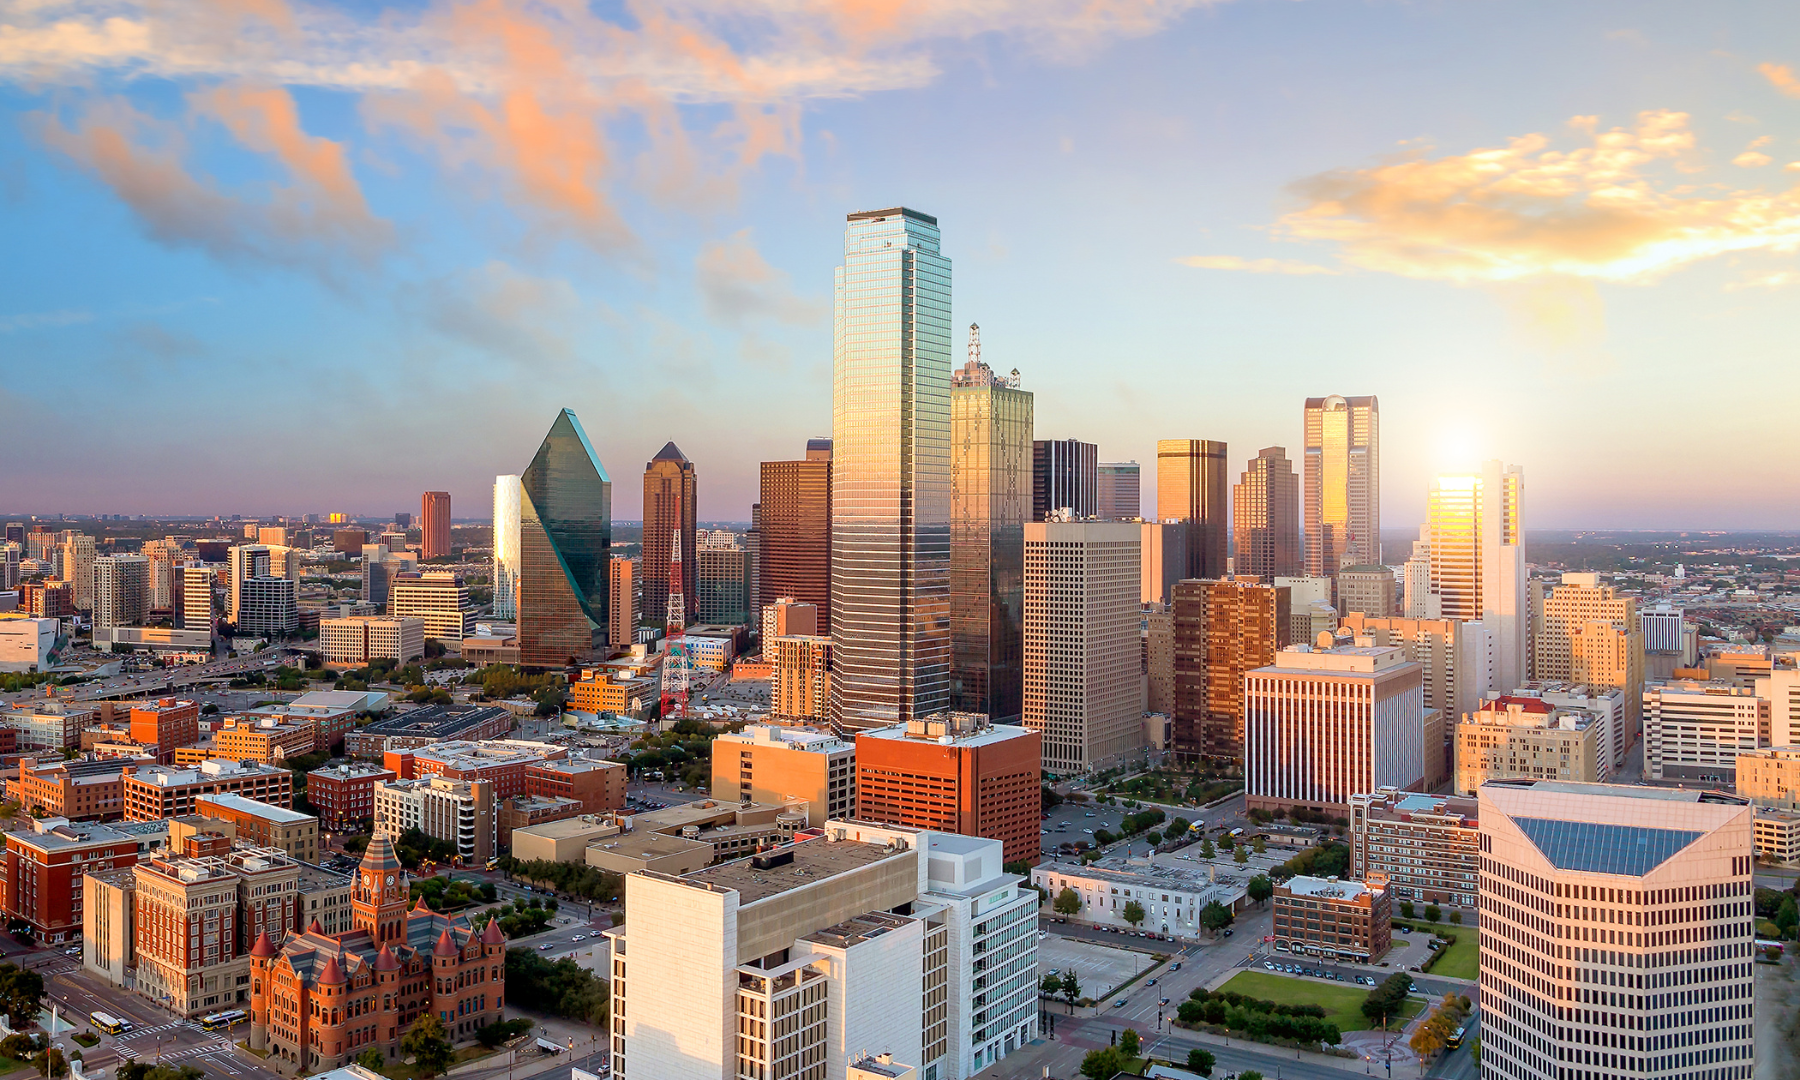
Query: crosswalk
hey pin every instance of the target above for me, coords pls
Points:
(138, 1033)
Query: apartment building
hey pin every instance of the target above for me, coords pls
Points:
(787, 964)
(353, 640)
(1527, 737)
(264, 825)
(1617, 931)
(954, 772)
(1777, 835)
(459, 812)
(165, 724)
(1694, 731)
(597, 786)
(1425, 845)
(157, 792)
(263, 739)
(1334, 920)
(800, 690)
(344, 795)
(767, 763)
(502, 763)
(47, 725)
(41, 874)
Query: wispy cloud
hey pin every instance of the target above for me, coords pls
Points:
(1254, 266)
(1782, 78)
(738, 286)
(40, 320)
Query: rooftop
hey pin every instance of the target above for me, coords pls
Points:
(463, 754)
(351, 770)
(337, 700)
(436, 721)
(55, 834)
(264, 810)
(949, 729)
(853, 931)
(569, 828)
(1341, 659)
(165, 776)
(1224, 887)
(814, 861)
(1319, 888)
(791, 738)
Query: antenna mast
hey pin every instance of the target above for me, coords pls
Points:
(675, 654)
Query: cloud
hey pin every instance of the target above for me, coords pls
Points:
(43, 320)
(1253, 266)
(515, 317)
(1601, 211)
(1778, 279)
(1782, 78)
(1750, 159)
(738, 287)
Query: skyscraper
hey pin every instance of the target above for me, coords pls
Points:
(1267, 515)
(1223, 629)
(1343, 483)
(623, 580)
(565, 529)
(1064, 475)
(77, 557)
(890, 477)
(795, 523)
(196, 610)
(1190, 488)
(1477, 560)
(120, 585)
(1118, 491)
(247, 561)
(506, 546)
(990, 487)
(670, 505)
(434, 525)
(163, 555)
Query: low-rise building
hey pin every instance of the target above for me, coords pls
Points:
(1172, 898)
(264, 739)
(500, 762)
(524, 811)
(773, 764)
(165, 724)
(458, 812)
(83, 789)
(565, 840)
(324, 898)
(41, 872)
(597, 785)
(1425, 845)
(1335, 920)
(155, 792)
(332, 714)
(1694, 731)
(265, 825)
(1778, 834)
(685, 838)
(1526, 737)
(431, 724)
(353, 640)
(1770, 776)
(26, 643)
(46, 724)
(711, 652)
(344, 795)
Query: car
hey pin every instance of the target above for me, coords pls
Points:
(1053, 971)
(1412, 987)
(580, 937)
(1090, 832)
(1406, 929)
(1119, 1004)
(1177, 966)
(1431, 945)
(1268, 966)
(1228, 931)
(1164, 1001)
(545, 947)
(1042, 934)
(1152, 982)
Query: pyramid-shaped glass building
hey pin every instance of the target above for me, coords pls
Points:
(565, 533)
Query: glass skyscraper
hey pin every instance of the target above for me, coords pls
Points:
(990, 501)
(1191, 488)
(890, 479)
(1343, 483)
(565, 529)
(506, 547)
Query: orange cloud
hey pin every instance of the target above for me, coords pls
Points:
(738, 285)
(1253, 266)
(1782, 78)
(265, 120)
(1527, 210)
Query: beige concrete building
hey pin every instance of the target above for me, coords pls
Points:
(438, 599)
(1778, 835)
(566, 840)
(1780, 688)
(801, 690)
(108, 926)
(191, 920)
(1367, 590)
(1424, 844)
(1159, 662)
(354, 640)
(1451, 653)
(265, 825)
(682, 839)
(1586, 632)
(1512, 737)
(324, 897)
(1694, 731)
(775, 765)
(1770, 776)
(459, 812)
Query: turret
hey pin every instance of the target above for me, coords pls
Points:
(261, 954)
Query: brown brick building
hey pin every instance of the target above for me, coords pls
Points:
(344, 795)
(156, 792)
(1337, 920)
(954, 772)
(80, 789)
(165, 724)
(1222, 630)
(265, 825)
(599, 786)
(265, 739)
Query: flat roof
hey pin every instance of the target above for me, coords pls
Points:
(1319, 888)
(988, 736)
(567, 828)
(815, 860)
(268, 811)
(1621, 791)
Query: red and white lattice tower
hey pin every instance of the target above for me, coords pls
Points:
(675, 654)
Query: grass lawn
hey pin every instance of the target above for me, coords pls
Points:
(398, 1071)
(1460, 961)
(1342, 1004)
(10, 1065)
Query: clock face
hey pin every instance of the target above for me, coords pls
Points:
(390, 879)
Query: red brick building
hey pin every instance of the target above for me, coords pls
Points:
(954, 772)
(344, 795)
(165, 724)
(158, 792)
(40, 875)
(599, 786)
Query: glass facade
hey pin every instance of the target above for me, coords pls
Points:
(565, 529)
(890, 477)
(990, 488)
(1343, 483)
(1064, 475)
(796, 532)
(506, 546)
(1267, 517)
(671, 499)
(1191, 488)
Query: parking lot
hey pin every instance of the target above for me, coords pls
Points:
(1098, 967)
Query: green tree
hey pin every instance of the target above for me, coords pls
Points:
(18, 1046)
(371, 1059)
(427, 1043)
(1051, 986)
(1200, 1061)
(1259, 845)
(1129, 1044)
(1260, 888)
(1068, 902)
(1386, 1000)
(1787, 917)
(1134, 912)
(1207, 850)
(1215, 916)
(1239, 855)
(21, 994)
(51, 1064)
(1456, 917)
(1071, 988)
(1433, 913)
(1250, 1074)
(1103, 1064)
(1407, 911)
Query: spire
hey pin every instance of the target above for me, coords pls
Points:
(446, 945)
(314, 927)
(385, 960)
(491, 935)
(670, 452)
(263, 947)
(332, 975)
(380, 855)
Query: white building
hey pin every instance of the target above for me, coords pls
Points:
(1083, 677)
(1172, 898)
(1662, 628)
(1694, 731)
(1477, 560)
(75, 564)
(121, 585)
(1617, 930)
(795, 962)
(436, 597)
(196, 597)
(459, 812)
(354, 640)
(47, 725)
(508, 498)
(25, 644)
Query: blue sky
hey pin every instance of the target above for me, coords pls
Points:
(280, 258)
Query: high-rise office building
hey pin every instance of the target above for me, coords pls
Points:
(1366, 589)
(1223, 629)
(890, 476)
(801, 679)
(1083, 677)
(434, 525)
(1064, 476)
(1617, 932)
(622, 586)
(1163, 545)
(1191, 489)
(794, 537)
(195, 611)
(120, 585)
(402, 520)
(723, 580)
(438, 598)
(267, 606)
(76, 566)
(1343, 483)
(954, 771)
(273, 536)
(15, 533)
(990, 490)
(246, 561)
(1477, 560)
(1118, 491)
(1267, 517)
(506, 547)
(163, 555)
(671, 495)
(787, 617)
(565, 529)
(1662, 625)
(1417, 601)
(1586, 632)
(9, 565)
(1453, 658)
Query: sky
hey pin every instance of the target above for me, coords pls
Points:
(278, 257)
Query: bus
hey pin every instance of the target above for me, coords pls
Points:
(1456, 1038)
(493, 864)
(222, 1021)
(112, 1025)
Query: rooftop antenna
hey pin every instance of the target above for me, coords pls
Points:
(974, 343)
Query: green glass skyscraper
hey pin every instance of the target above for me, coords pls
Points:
(565, 530)
(890, 480)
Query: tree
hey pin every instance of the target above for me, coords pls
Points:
(1240, 855)
(1068, 902)
(1433, 913)
(1207, 850)
(1260, 888)
(1051, 986)
(371, 1059)
(1103, 1064)
(21, 994)
(1407, 911)
(51, 1064)
(1215, 916)
(426, 1042)
(1456, 917)
(1134, 912)
(1385, 1000)
(1071, 988)
(18, 1046)
(1259, 845)
(1250, 1074)
(1200, 1061)
(1129, 1043)
(1787, 918)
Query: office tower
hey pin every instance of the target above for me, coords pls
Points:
(1083, 676)
(1427, 845)
(1190, 488)
(1366, 589)
(723, 580)
(354, 640)
(1267, 517)
(15, 533)
(801, 679)
(196, 610)
(1117, 491)
(1452, 656)
(1159, 661)
(437, 598)
(1694, 731)
(753, 550)
(268, 535)
(1373, 738)
(815, 940)
(890, 479)
(1064, 476)
(77, 553)
(434, 525)
(381, 565)
(267, 606)
(1223, 629)
(1517, 736)
(1616, 932)
(343, 541)
(1589, 633)
(954, 771)
(163, 555)
(565, 528)
(1418, 601)
(1662, 625)
(506, 546)
(1477, 559)
(771, 764)
(287, 562)
(1343, 483)
(1163, 545)
(990, 487)
(9, 565)
(787, 617)
(622, 587)
(670, 505)
(245, 561)
(795, 537)
(120, 584)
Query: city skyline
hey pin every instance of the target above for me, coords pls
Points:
(414, 278)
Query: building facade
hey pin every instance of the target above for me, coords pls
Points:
(159, 792)
(1587, 632)
(1164, 548)
(1118, 491)
(1336, 920)
(354, 640)
(565, 531)
(623, 579)
(1426, 845)
(723, 580)
(506, 546)
(1695, 730)
(41, 873)
(1368, 590)
(458, 812)
(264, 825)
(434, 525)
(344, 795)
(1477, 561)
(957, 773)
(1064, 476)
(1510, 737)
(1191, 488)
(438, 599)
(794, 531)
(1343, 483)
(774, 764)
(1223, 629)
(1266, 513)
(801, 690)
(671, 493)
(121, 590)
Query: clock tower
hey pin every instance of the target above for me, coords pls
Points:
(379, 899)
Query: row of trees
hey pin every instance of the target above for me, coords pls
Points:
(559, 987)
(414, 847)
(574, 879)
(1431, 1037)
(522, 917)
(443, 894)
(1387, 1000)
(1328, 860)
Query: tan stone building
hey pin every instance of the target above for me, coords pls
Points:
(801, 681)
(772, 764)
(264, 739)
(1586, 632)
(1520, 737)
(1770, 776)
(265, 825)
